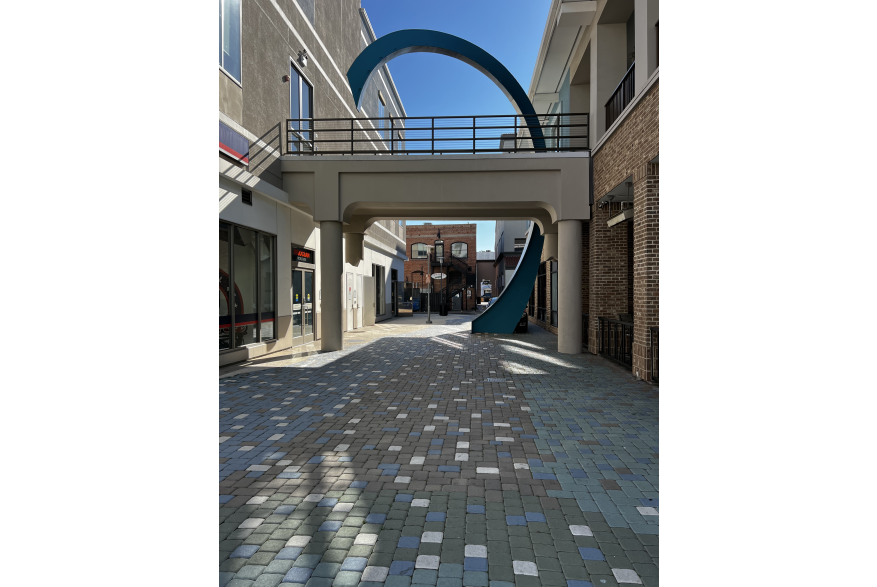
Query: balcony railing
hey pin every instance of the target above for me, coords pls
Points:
(616, 340)
(621, 97)
(653, 334)
(436, 135)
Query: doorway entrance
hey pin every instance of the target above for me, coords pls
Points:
(302, 306)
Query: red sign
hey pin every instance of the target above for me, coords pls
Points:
(303, 255)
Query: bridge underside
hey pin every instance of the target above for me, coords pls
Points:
(346, 194)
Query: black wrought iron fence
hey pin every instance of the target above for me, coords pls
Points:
(616, 340)
(436, 135)
(585, 331)
(653, 343)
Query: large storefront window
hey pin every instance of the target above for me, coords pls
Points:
(266, 283)
(247, 285)
(246, 312)
(224, 289)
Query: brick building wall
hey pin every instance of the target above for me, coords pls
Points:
(628, 152)
(451, 233)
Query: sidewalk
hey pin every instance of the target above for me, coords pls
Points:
(429, 456)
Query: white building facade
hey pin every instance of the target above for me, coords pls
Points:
(273, 79)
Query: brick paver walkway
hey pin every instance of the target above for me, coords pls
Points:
(434, 457)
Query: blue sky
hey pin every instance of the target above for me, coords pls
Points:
(435, 85)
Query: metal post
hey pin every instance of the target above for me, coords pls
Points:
(392, 138)
(516, 139)
(473, 135)
(351, 136)
(433, 144)
(428, 300)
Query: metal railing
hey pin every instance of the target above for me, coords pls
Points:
(436, 135)
(653, 343)
(585, 330)
(616, 340)
(621, 97)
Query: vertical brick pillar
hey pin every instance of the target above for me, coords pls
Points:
(645, 265)
(607, 270)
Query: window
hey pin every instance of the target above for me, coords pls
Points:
(301, 106)
(554, 293)
(247, 286)
(230, 37)
(459, 250)
(419, 251)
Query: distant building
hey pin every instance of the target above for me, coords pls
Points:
(484, 271)
(510, 238)
(459, 261)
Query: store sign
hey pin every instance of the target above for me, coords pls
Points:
(234, 144)
(303, 255)
(439, 276)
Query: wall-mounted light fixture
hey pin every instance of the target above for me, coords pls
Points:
(303, 57)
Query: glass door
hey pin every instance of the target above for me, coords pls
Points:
(297, 305)
(308, 306)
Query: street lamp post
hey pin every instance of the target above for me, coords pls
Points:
(440, 255)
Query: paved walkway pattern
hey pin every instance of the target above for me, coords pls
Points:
(435, 457)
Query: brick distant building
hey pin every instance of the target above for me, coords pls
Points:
(459, 264)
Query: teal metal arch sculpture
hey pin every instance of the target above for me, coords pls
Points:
(405, 41)
(503, 315)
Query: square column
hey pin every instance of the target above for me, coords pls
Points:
(645, 265)
(332, 268)
(569, 286)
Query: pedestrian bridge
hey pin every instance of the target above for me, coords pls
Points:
(347, 193)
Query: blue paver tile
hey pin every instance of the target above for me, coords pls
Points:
(354, 564)
(475, 509)
(284, 509)
(244, 551)
(544, 476)
(297, 575)
(225, 498)
(474, 564)
(408, 542)
(591, 554)
(376, 518)
(359, 484)
(327, 502)
(534, 517)
(516, 520)
(316, 460)
(404, 497)
(289, 553)
(435, 517)
(330, 526)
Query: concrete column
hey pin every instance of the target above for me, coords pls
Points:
(569, 287)
(331, 267)
(645, 17)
